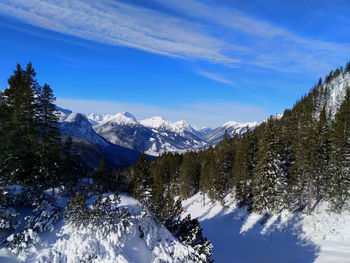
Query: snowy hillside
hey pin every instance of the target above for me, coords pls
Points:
(336, 90)
(132, 236)
(241, 237)
(215, 136)
(77, 125)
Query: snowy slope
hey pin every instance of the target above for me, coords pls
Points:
(77, 125)
(241, 237)
(137, 238)
(336, 92)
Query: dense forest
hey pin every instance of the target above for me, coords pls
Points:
(290, 162)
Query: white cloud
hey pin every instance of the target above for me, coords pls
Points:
(215, 77)
(221, 35)
(120, 24)
(199, 114)
(270, 46)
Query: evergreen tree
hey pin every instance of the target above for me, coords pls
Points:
(242, 168)
(226, 151)
(347, 68)
(269, 182)
(70, 168)
(142, 180)
(208, 174)
(50, 142)
(339, 182)
(23, 130)
(5, 139)
(320, 162)
(189, 175)
(104, 178)
(77, 211)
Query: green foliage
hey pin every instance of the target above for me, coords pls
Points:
(339, 181)
(189, 232)
(269, 183)
(189, 174)
(29, 133)
(104, 211)
(142, 180)
(21, 127)
(77, 210)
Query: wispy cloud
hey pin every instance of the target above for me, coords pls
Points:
(195, 30)
(271, 46)
(120, 24)
(215, 77)
(201, 114)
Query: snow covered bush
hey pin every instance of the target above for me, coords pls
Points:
(8, 215)
(46, 214)
(189, 232)
(110, 231)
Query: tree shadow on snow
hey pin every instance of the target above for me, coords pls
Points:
(275, 245)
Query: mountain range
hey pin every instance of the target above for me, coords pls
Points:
(153, 135)
(120, 138)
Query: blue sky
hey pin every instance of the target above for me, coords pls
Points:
(206, 61)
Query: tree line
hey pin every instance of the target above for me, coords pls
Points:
(292, 162)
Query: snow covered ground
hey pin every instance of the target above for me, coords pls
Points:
(138, 237)
(241, 237)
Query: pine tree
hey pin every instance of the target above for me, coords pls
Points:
(104, 178)
(5, 139)
(242, 168)
(339, 183)
(226, 151)
(269, 182)
(142, 179)
(208, 174)
(347, 68)
(77, 211)
(50, 142)
(189, 175)
(320, 162)
(70, 167)
(303, 177)
(23, 132)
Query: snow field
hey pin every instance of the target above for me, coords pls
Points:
(239, 236)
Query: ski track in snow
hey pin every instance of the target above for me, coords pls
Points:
(240, 237)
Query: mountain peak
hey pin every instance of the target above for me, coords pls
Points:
(130, 116)
(235, 124)
(157, 122)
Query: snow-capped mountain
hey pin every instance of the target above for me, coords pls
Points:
(125, 117)
(179, 127)
(77, 125)
(93, 147)
(154, 135)
(232, 127)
